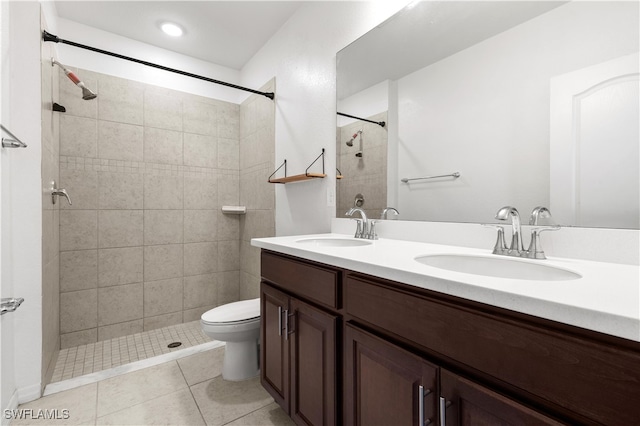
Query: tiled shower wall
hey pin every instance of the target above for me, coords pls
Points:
(145, 244)
(366, 175)
(257, 153)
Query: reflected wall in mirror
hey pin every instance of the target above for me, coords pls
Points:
(533, 103)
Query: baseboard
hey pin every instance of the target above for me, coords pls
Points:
(11, 405)
(29, 393)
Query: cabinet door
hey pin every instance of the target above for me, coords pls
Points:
(386, 385)
(274, 349)
(313, 364)
(464, 402)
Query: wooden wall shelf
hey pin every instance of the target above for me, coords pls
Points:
(298, 178)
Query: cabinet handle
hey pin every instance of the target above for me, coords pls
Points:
(286, 324)
(422, 393)
(279, 320)
(444, 404)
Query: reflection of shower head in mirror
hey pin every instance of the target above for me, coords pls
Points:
(355, 135)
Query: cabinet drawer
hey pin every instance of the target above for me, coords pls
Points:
(600, 382)
(307, 280)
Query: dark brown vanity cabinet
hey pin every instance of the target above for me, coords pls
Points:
(397, 354)
(385, 385)
(298, 341)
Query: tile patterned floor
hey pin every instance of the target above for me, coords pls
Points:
(187, 391)
(93, 357)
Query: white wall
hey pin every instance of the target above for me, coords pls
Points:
(301, 55)
(447, 112)
(85, 59)
(367, 102)
(24, 198)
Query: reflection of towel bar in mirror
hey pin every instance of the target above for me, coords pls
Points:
(11, 143)
(453, 175)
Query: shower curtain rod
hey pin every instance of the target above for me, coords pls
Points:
(46, 36)
(379, 123)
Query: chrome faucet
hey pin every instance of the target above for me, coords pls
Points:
(516, 248)
(362, 229)
(387, 210)
(538, 216)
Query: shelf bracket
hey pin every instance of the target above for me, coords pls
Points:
(306, 172)
(284, 164)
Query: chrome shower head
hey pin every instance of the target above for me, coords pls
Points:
(355, 135)
(86, 93)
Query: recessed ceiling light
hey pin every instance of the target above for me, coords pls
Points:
(171, 29)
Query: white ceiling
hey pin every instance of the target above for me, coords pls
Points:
(226, 33)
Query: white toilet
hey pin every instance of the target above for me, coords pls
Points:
(237, 324)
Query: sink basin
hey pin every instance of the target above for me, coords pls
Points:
(498, 266)
(334, 242)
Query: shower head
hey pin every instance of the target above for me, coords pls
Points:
(86, 93)
(355, 135)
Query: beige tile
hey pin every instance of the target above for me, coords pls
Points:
(228, 154)
(177, 408)
(120, 228)
(228, 255)
(228, 226)
(162, 146)
(229, 190)
(199, 118)
(221, 401)
(195, 314)
(163, 227)
(163, 262)
(118, 393)
(202, 366)
(200, 193)
(152, 323)
(78, 270)
(258, 224)
(162, 111)
(271, 415)
(79, 414)
(228, 130)
(118, 330)
(77, 338)
(120, 103)
(249, 286)
(162, 297)
(200, 226)
(250, 257)
(228, 287)
(200, 290)
(82, 187)
(120, 303)
(78, 136)
(200, 258)
(119, 141)
(120, 266)
(163, 192)
(78, 310)
(200, 151)
(78, 229)
(122, 190)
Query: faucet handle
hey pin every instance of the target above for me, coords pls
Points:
(359, 231)
(372, 230)
(535, 246)
(541, 216)
(501, 246)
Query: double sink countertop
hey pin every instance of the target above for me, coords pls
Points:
(606, 298)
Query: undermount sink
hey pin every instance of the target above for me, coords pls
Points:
(334, 242)
(499, 267)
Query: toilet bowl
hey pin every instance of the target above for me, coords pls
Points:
(237, 324)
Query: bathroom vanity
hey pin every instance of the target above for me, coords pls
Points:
(352, 335)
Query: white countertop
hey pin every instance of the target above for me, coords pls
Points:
(605, 299)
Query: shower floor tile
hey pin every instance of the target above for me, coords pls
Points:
(93, 357)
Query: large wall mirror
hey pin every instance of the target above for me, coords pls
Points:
(487, 104)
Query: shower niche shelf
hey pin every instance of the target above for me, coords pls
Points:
(301, 177)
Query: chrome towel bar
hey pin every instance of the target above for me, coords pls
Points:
(454, 175)
(11, 143)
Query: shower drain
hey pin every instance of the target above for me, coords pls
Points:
(174, 344)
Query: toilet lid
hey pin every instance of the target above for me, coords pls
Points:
(233, 312)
